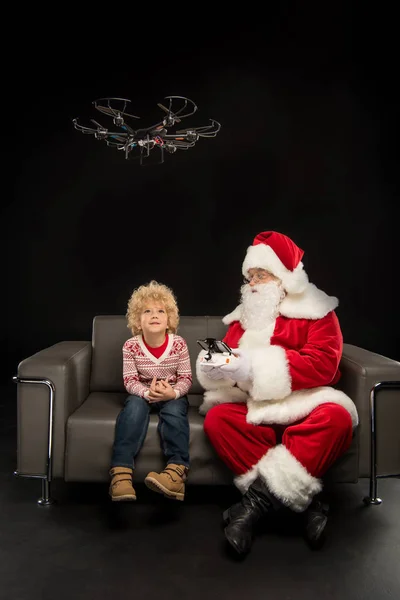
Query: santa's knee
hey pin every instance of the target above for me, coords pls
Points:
(336, 418)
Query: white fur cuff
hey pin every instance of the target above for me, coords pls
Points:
(243, 482)
(271, 377)
(287, 479)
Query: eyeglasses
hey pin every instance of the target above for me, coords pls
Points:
(258, 277)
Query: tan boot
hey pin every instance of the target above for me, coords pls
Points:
(121, 484)
(170, 482)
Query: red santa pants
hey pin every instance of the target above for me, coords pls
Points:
(316, 441)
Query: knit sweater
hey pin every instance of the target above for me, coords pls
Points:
(140, 366)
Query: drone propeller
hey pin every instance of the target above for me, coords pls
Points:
(110, 110)
(172, 115)
(185, 103)
(118, 114)
(168, 112)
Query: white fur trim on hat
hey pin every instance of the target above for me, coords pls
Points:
(263, 257)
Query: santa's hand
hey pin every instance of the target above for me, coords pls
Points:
(239, 367)
(211, 371)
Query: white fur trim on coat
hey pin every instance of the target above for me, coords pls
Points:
(297, 406)
(257, 338)
(263, 257)
(235, 315)
(312, 303)
(271, 378)
(213, 397)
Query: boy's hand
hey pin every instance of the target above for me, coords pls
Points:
(160, 391)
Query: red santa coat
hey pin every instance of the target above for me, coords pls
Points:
(294, 362)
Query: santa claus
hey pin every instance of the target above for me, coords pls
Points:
(272, 413)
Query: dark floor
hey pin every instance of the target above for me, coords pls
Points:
(86, 547)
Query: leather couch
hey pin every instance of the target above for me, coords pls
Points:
(69, 396)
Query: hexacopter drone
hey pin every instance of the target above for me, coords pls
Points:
(155, 136)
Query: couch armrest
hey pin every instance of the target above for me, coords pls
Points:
(361, 371)
(66, 366)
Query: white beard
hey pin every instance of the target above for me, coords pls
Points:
(260, 304)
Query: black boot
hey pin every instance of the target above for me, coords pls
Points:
(230, 512)
(257, 502)
(316, 518)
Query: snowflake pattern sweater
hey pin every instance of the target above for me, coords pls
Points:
(140, 366)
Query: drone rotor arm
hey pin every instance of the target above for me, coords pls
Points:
(128, 129)
(98, 125)
(83, 128)
(117, 145)
(118, 137)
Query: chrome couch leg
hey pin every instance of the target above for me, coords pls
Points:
(45, 499)
(373, 478)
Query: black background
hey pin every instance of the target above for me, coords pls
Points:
(307, 99)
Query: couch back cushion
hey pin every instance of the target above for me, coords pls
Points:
(110, 333)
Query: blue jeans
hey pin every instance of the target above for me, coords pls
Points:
(133, 422)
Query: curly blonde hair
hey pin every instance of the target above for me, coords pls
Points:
(157, 292)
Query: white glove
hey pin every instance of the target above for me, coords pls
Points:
(213, 372)
(239, 368)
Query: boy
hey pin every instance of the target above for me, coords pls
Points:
(157, 375)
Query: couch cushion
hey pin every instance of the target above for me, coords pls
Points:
(90, 436)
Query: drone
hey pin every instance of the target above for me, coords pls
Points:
(139, 142)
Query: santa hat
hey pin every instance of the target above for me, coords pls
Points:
(279, 255)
